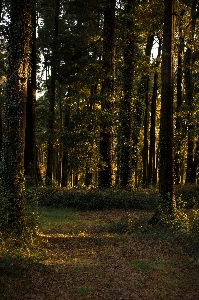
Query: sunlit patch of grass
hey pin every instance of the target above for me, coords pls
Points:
(55, 218)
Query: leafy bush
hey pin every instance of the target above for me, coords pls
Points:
(188, 195)
(89, 199)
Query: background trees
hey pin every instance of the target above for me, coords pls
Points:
(96, 120)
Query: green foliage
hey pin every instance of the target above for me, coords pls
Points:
(187, 195)
(31, 211)
(146, 264)
(84, 290)
(129, 225)
(18, 252)
(89, 199)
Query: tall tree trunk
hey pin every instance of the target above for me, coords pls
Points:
(1, 123)
(145, 80)
(65, 170)
(90, 107)
(50, 146)
(30, 155)
(166, 117)
(190, 173)
(18, 50)
(152, 170)
(178, 160)
(191, 168)
(107, 94)
(126, 104)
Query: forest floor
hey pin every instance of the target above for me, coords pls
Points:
(87, 256)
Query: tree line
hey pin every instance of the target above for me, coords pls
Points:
(99, 93)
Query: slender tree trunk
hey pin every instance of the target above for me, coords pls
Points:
(191, 168)
(30, 155)
(15, 115)
(152, 149)
(146, 129)
(196, 160)
(107, 94)
(65, 169)
(50, 146)
(145, 80)
(126, 104)
(152, 170)
(190, 174)
(90, 107)
(178, 159)
(1, 123)
(166, 118)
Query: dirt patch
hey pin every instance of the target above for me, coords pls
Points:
(89, 262)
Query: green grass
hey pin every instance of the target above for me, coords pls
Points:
(146, 264)
(84, 290)
(148, 261)
(56, 218)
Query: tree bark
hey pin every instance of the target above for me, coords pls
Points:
(126, 104)
(191, 167)
(166, 117)
(146, 113)
(107, 94)
(18, 49)
(178, 134)
(152, 170)
(50, 146)
(30, 155)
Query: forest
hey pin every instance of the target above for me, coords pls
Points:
(99, 110)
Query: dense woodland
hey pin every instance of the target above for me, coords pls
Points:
(98, 93)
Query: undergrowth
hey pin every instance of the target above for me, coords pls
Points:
(94, 198)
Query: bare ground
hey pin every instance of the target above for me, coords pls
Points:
(87, 261)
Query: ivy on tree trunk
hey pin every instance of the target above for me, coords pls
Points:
(18, 50)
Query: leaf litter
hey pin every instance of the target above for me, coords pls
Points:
(87, 260)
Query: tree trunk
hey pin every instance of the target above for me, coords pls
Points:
(166, 117)
(18, 50)
(145, 80)
(30, 155)
(107, 94)
(90, 107)
(65, 169)
(152, 176)
(126, 104)
(190, 173)
(191, 168)
(146, 128)
(1, 123)
(178, 138)
(50, 146)
(152, 170)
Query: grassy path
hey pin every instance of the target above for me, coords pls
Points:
(87, 257)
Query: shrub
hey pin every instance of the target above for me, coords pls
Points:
(89, 199)
(187, 194)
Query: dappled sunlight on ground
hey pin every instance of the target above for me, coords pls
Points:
(86, 260)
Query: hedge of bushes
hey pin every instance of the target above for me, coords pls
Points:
(94, 198)
(88, 199)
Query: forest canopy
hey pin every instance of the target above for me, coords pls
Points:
(98, 93)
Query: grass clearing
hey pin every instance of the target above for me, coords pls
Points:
(90, 255)
(56, 218)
